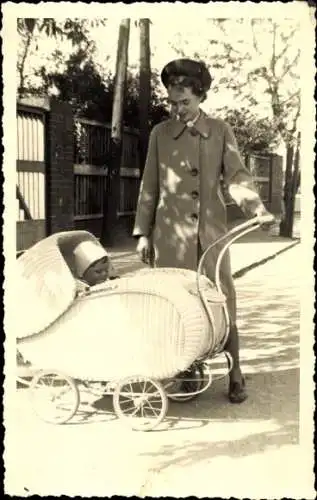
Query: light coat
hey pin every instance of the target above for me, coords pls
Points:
(181, 205)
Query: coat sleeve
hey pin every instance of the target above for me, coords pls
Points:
(237, 177)
(149, 191)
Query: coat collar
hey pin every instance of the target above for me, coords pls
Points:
(202, 126)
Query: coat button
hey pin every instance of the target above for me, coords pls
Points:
(194, 172)
(195, 195)
(193, 131)
(194, 217)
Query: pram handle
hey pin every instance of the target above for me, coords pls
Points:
(234, 234)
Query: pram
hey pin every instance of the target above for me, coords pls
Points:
(145, 338)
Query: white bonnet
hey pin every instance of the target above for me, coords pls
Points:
(86, 253)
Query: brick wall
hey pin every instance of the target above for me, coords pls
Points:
(60, 171)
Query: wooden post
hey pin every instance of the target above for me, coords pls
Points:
(113, 178)
(145, 89)
(294, 186)
(290, 188)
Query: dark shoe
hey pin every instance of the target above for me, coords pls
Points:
(237, 392)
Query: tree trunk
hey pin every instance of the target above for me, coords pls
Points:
(145, 89)
(290, 189)
(295, 182)
(113, 179)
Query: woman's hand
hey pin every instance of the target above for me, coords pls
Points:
(144, 249)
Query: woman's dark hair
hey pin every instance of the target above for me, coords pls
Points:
(188, 82)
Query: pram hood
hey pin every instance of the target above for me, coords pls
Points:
(45, 282)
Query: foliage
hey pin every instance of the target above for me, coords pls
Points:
(253, 134)
(78, 80)
(91, 95)
(75, 30)
(33, 31)
(256, 62)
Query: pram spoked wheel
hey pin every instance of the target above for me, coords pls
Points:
(187, 385)
(54, 396)
(141, 403)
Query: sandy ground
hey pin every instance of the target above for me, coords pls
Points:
(206, 447)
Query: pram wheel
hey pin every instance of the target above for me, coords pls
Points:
(142, 403)
(54, 396)
(188, 383)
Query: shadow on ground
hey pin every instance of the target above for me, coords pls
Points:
(209, 426)
(196, 432)
(267, 421)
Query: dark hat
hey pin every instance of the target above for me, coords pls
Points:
(187, 67)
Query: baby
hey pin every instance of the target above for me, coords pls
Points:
(92, 265)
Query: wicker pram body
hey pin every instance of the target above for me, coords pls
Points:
(151, 323)
(143, 338)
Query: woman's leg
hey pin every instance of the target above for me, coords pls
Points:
(237, 392)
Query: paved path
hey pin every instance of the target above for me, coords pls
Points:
(246, 252)
(204, 448)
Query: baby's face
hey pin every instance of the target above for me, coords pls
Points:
(97, 273)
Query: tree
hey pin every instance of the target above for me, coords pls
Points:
(33, 30)
(71, 73)
(257, 61)
(285, 110)
(158, 106)
(80, 83)
(253, 134)
(26, 29)
(281, 78)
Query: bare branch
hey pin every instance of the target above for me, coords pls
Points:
(21, 65)
(273, 58)
(295, 94)
(288, 37)
(283, 52)
(255, 43)
(290, 65)
(220, 24)
(294, 76)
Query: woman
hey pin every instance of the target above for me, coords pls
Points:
(181, 209)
